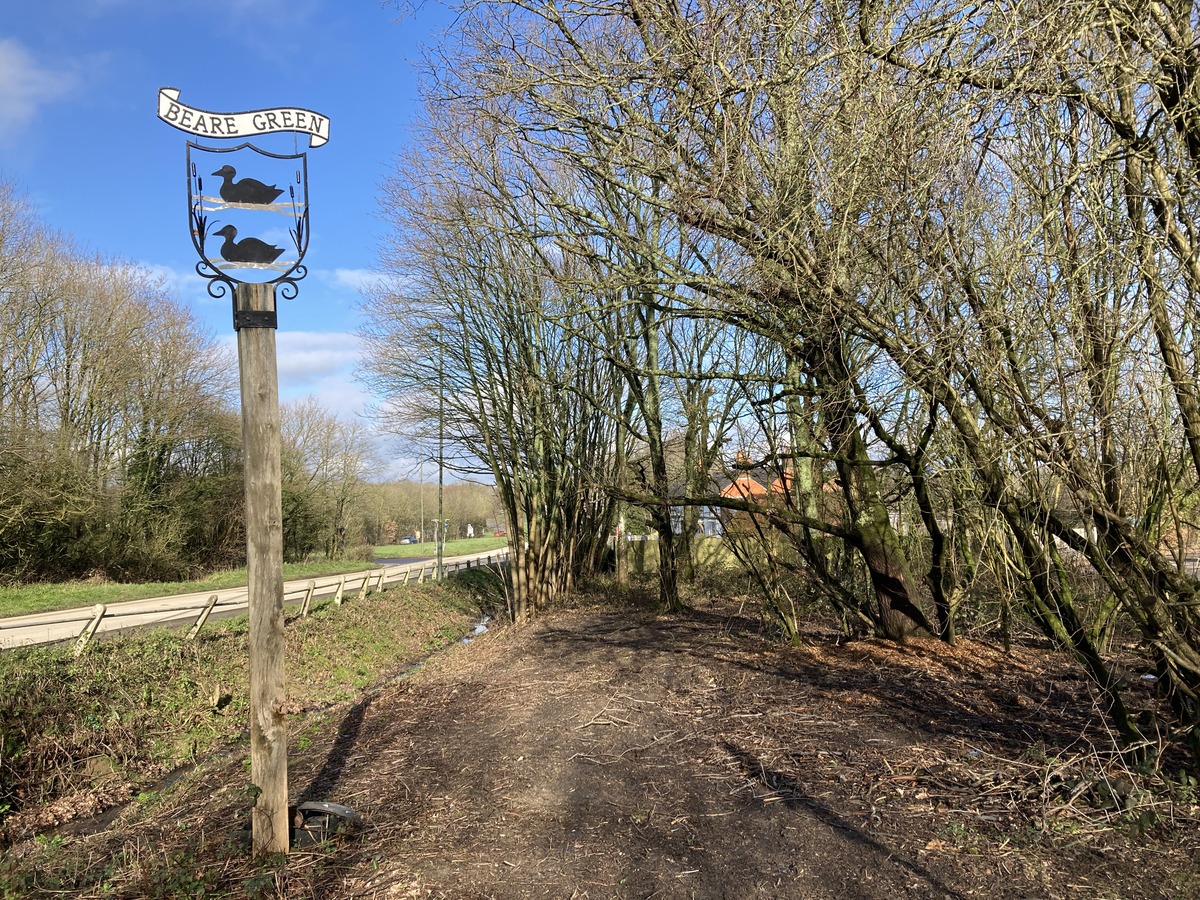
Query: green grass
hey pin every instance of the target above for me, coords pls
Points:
(453, 548)
(33, 598)
(114, 721)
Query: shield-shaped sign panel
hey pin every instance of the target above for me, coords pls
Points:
(249, 211)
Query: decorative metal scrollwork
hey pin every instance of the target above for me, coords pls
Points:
(288, 289)
(231, 219)
(219, 284)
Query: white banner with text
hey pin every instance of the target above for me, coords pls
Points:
(242, 124)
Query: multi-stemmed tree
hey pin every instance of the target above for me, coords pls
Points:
(965, 237)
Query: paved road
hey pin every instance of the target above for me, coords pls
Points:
(182, 610)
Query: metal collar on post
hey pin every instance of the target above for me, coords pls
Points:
(254, 319)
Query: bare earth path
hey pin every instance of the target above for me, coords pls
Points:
(600, 754)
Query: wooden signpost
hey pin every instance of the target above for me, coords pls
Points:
(252, 270)
(270, 827)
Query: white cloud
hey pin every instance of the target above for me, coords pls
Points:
(309, 358)
(181, 282)
(318, 365)
(339, 394)
(25, 86)
(401, 468)
(358, 280)
(306, 357)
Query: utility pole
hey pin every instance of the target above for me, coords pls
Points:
(441, 543)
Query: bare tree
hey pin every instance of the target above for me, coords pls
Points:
(110, 392)
(475, 335)
(964, 233)
(325, 462)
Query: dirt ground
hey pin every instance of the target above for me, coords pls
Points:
(604, 753)
(623, 754)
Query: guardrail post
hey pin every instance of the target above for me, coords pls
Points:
(362, 591)
(308, 595)
(337, 598)
(194, 631)
(89, 629)
(407, 572)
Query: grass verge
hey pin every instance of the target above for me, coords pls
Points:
(453, 548)
(80, 735)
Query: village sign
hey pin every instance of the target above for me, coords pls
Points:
(247, 207)
(248, 218)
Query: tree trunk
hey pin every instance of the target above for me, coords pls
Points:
(897, 614)
(668, 569)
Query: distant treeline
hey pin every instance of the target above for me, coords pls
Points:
(119, 427)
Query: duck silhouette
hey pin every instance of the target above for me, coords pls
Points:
(248, 190)
(247, 250)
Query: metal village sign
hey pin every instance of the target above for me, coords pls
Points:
(248, 192)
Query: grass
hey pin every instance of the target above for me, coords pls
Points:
(34, 598)
(137, 718)
(453, 548)
(108, 726)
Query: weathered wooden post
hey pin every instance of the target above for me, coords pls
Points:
(252, 269)
(194, 631)
(264, 560)
(306, 606)
(89, 630)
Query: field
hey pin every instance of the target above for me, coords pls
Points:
(17, 600)
(429, 549)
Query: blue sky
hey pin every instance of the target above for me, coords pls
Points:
(80, 137)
